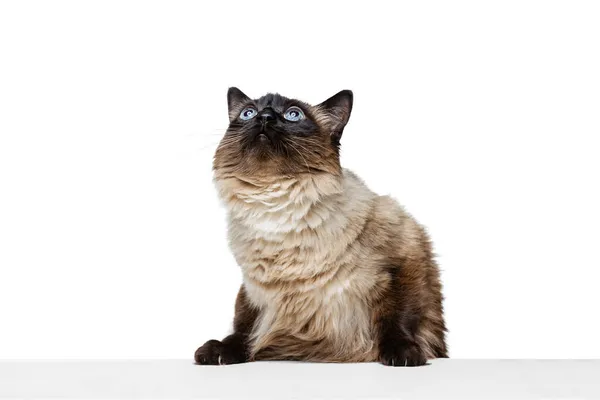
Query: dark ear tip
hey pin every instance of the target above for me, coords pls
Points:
(233, 90)
(347, 94)
(350, 97)
(235, 95)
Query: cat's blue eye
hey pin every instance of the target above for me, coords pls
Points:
(248, 113)
(293, 114)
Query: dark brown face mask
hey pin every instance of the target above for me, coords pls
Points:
(275, 135)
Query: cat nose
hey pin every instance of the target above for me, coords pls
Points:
(266, 115)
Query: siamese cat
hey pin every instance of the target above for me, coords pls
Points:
(332, 272)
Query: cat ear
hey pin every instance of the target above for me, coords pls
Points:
(235, 100)
(339, 107)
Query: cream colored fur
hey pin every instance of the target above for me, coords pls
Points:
(301, 245)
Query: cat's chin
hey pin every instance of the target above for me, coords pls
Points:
(262, 150)
(261, 153)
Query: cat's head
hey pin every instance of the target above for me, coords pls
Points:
(274, 136)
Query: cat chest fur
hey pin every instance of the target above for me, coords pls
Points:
(300, 264)
(327, 323)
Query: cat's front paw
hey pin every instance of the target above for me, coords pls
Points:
(214, 352)
(401, 354)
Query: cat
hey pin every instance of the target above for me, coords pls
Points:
(332, 272)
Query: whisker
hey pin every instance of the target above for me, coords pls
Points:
(212, 132)
(305, 162)
(312, 143)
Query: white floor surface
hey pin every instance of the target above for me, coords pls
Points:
(181, 379)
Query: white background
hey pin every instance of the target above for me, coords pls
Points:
(482, 118)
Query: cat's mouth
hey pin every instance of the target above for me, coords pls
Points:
(263, 137)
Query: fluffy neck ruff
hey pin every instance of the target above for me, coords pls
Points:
(292, 232)
(280, 205)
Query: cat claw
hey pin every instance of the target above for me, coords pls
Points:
(400, 356)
